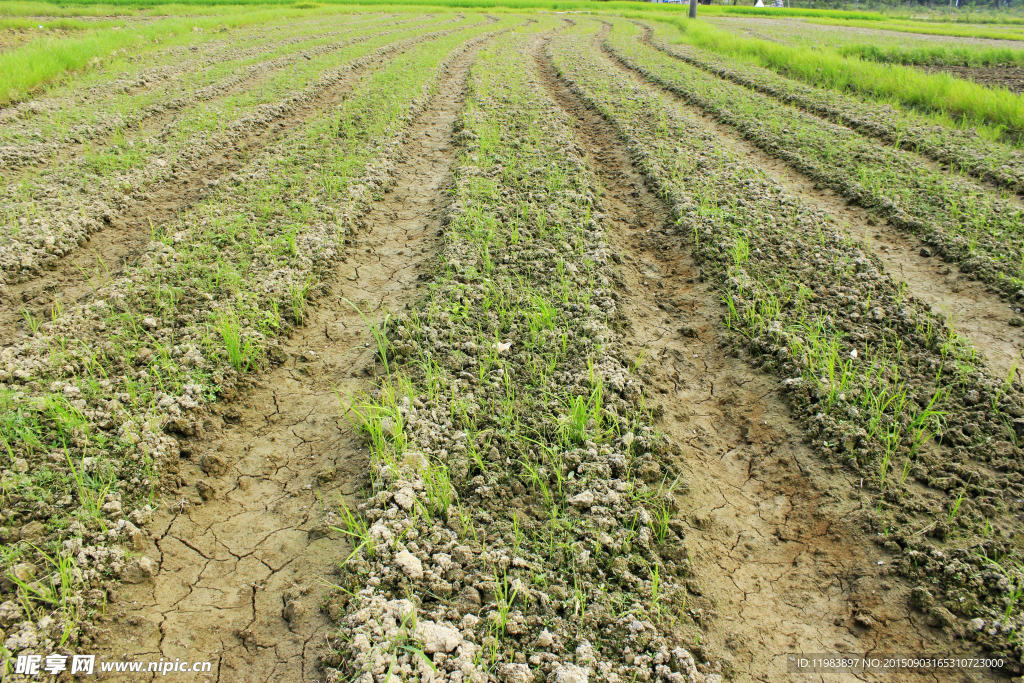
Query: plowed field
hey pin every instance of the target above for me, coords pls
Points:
(474, 347)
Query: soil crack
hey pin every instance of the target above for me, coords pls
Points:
(281, 539)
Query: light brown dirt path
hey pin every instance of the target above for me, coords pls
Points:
(128, 232)
(968, 304)
(241, 574)
(779, 556)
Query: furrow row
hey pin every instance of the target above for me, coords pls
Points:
(867, 369)
(980, 230)
(99, 402)
(961, 149)
(521, 519)
(153, 183)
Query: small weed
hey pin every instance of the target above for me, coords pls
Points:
(240, 350)
(355, 527)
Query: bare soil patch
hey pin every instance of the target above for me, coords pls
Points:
(1009, 77)
(241, 572)
(11, 38)
(780, 557)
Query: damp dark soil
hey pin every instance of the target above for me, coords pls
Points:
(1009, 77)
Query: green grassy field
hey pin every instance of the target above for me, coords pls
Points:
(953, 97)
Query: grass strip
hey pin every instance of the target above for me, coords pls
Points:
(977, 228)
(520, 518)
(86, 399)
(882, 385)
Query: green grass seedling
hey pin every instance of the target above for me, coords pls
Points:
(240, 351)
(355, 527)
(379, 332)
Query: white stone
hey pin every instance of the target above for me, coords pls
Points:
(402, 610)
(570, 673)
(410, 564)
(361, 643)
(583, 500)
(437, 638)
(405, 498)
(514, 673)
(380, 532)
(443, 561)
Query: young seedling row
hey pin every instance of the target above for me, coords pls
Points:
(962, 148)
(92, 393)
(995, 112)
(51, 217)
(966, 223)
(522, 512)
(121, 97)
(882, 384)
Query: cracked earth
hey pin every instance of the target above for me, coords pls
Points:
(774, 533)
(243, 552)
(781, 563)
